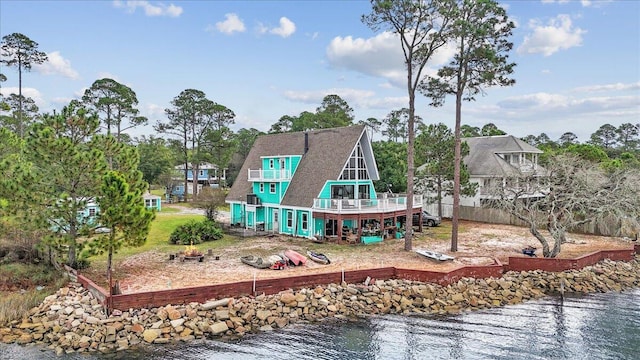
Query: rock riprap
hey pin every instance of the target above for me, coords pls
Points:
(72, 320)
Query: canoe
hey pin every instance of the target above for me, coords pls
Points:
(434, 255)
(319, 258)
(295, 257)
(256, 262)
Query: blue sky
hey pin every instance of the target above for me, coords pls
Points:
(578, 62)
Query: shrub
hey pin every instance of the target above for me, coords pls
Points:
(196, 232)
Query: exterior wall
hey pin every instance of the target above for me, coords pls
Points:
(237, 213)
(288, 221)
(154, 203)
(464, 200)
(301, 231)
(266, 196)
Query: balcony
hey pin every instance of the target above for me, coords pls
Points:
(269, 175)
(362, 206)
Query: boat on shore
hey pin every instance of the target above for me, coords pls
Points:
(318, 257)
(434, 255)
(256, 262)
(295, 257)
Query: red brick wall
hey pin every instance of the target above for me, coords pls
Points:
(556, 265)
(272, 286)
(99, 293)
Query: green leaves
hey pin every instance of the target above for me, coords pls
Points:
(117, 102)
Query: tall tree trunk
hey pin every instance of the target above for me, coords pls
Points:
(408, 237)
(456, 176)
(20, 125)
(439, 192)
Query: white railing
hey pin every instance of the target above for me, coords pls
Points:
(365, 205)
(269, 175)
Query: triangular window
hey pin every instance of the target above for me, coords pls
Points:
(356, 168)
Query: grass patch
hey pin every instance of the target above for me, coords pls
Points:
(159, 192)
(158, 239)
(168, 209)
(26, 275)
(36, 282)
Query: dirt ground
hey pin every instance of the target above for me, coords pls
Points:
(478, 244)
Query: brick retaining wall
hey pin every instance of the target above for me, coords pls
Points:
(557, 265)
(272, 286)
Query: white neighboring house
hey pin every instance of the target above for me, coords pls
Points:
(494, 159)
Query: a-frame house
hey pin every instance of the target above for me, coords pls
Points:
(316, 184)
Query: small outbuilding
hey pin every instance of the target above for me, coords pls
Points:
(152, 201)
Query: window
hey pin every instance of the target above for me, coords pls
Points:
(363, 191)
(270, 163)
(355, 167)
(261, 187)
(289, 219)
(92, 211)
(342, 192)
(272, 188)
(305, 221)
(201, 173)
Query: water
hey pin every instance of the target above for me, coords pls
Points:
(598, 326)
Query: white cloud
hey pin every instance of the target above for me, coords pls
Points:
(558, 34)
(584, 3)
(379, 56)
(27, 93)
(555, 114)
(149, 9)
(286, 28)
(152, 111)
(231, 24)
(609, 87)
(56, 64)
(64, 101)
(362, 99)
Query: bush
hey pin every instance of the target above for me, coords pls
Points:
(196, 232)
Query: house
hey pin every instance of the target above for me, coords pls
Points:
(153, 202)
(316, 184)
(493, 160)
(208, 175)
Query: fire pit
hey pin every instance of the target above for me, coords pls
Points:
(192, 253)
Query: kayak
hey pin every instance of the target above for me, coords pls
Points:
(318, 257)
(256, 262)
(295, 257)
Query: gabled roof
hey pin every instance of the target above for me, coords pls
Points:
(328, 151)
(483, 150)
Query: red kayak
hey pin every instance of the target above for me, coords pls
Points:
(295, 257)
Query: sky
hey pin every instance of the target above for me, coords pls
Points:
(578, 62)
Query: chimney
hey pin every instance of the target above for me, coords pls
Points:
(306, 142)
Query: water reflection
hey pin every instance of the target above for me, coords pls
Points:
(600, 326)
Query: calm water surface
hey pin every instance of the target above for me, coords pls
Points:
(599, 326)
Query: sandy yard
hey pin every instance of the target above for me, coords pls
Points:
(478, 244)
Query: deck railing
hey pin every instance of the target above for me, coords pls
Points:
(384, 204)
(269, 175)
